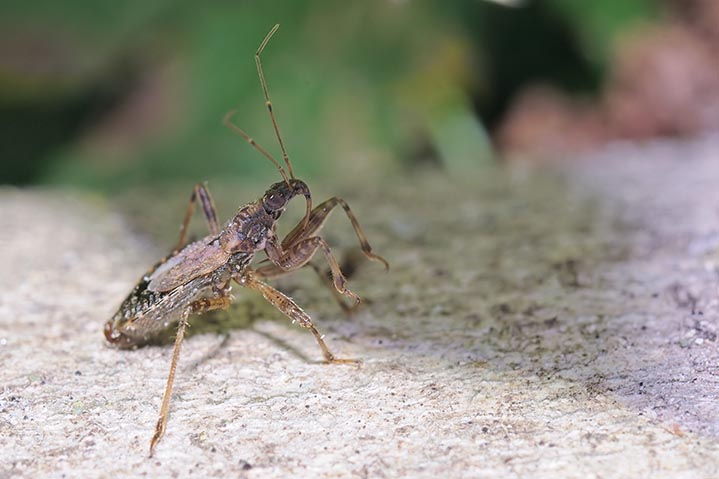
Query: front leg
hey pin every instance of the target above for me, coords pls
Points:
(272, 271)
(316, 221)
(300, 252)
(290, 309)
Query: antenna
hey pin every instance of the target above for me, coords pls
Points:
(227, 121)
(268, 103)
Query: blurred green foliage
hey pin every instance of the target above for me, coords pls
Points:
(107, 94)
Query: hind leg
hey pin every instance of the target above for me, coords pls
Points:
(197, 307)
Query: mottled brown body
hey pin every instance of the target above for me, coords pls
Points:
(145, 313)
(197, 277)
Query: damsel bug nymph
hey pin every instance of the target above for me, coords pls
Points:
(195, 278)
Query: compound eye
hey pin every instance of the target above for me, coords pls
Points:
(275, 201)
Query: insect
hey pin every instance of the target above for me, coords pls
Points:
(195, 278)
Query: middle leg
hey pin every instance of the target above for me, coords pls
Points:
(202, 194)
(290, 309)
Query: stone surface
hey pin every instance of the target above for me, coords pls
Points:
(534, 324)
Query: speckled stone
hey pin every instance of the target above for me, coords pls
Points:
(534, 323)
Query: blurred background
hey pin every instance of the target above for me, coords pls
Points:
(105, 94)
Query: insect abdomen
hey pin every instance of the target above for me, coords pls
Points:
(144, 314)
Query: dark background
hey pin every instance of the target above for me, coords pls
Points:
(105, 94)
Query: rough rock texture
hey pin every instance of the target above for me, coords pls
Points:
(533, 325)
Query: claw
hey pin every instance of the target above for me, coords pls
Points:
(159, 431)
(334, 360)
